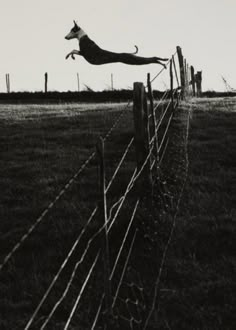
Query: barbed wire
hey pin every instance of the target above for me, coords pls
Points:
(124, 268)
(81, 292)
(124, 239)
(63, 265)
(117, 121)
(77, 242)
(65, 292)
(45, 212)
(158, 74)
(62, 297)
(119, 165)
(164, 96)
(175, 70)
(98, 312)
(121, 201)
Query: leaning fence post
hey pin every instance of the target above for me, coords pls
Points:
(147, 169)
(103, 214)
(154, 134)
(181, 67)
(141, 130)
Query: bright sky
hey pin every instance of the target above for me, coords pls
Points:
(32, 40)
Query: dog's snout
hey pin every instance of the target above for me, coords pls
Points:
(68, 36)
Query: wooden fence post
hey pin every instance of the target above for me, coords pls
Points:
(78, 83)
(193, 80)
(8, 82)
(112, 82)
(147, 169)
(141, 134)
(181, 67)
(198, 78)
(102, 205)
(186, 77)
(153, 126)
(46, 82)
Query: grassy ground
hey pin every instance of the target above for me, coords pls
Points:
(43, 146)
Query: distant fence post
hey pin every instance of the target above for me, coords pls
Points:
(198, 78)
(181, 67)
(193, 80)
(102, 205)
(141, 134)
(186, 76)
(188, 79)
(8, 82)
(112, 82)
(46, 82)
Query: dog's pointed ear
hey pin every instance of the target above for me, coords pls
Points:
(75, 23)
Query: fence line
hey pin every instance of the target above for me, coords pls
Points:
(157, 283)
(81, 292)
(134, 178)
(153, 139)
(124, 268)
(124, 239)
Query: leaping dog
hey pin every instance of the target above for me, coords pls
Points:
(96, 55)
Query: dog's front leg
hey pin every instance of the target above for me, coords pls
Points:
(72, 53)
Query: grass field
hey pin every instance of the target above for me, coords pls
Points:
(199, 276)
(41, 149)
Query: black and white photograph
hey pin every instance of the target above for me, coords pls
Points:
(118, 165)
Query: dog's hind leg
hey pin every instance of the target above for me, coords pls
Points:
(139, 60)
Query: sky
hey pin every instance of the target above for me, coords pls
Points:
(32, 41)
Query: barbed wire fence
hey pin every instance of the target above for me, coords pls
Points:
(116, 276)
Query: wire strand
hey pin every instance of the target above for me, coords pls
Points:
(81, 292)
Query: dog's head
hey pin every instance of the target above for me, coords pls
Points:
(75, 32)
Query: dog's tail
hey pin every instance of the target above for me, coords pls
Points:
(136, 47)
